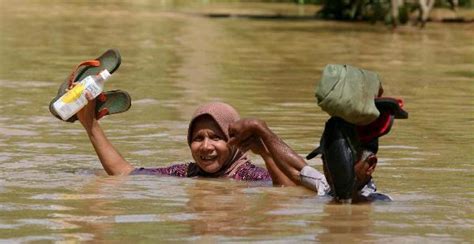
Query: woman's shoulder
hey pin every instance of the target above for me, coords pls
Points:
(251, 172)
(179, 170)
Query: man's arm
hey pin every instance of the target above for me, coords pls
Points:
(282, 162)
(257, 146)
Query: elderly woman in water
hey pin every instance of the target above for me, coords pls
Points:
(218, 140)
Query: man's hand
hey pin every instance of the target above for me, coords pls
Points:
(364, 168)
(244, 134)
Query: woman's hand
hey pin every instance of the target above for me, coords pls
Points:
(87, 115)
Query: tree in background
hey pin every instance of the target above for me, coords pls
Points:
(374, 10)
(371, 10)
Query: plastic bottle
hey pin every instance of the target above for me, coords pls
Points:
(75, 99)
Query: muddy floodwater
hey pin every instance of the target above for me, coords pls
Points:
(174, 57)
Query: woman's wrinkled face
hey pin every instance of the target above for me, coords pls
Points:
(209, 145)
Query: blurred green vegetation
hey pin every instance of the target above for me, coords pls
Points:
(443, 3)
(370, 10)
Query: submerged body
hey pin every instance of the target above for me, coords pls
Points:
(246, 171)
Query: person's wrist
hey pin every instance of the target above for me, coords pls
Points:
(91, 126)
(258, 127)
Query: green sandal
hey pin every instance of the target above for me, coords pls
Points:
(110, 102)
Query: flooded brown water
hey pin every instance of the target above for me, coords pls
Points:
(52, 187)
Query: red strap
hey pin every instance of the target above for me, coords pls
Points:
(102, 113)
(375, 129)
(400, 102)
(72, 76)
(101, 97)
(105, 111)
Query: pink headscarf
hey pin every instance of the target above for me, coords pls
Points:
(223, 114)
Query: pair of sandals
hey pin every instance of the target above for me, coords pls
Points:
(107, 103)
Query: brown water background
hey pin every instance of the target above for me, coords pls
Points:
(52, 187)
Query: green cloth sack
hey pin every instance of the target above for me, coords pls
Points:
(348, 92)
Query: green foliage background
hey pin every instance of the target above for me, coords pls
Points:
(369, 10)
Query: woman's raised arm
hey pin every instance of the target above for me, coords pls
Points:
(111, 160)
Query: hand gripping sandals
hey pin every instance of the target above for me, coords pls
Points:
(109, 102)
(343, 144)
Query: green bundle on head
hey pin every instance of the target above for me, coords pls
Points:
(348, 92)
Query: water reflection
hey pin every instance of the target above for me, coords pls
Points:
(95, 200)
(250, 213)
(227, 211)
(344, 222)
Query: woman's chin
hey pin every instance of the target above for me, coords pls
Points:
(209, 167)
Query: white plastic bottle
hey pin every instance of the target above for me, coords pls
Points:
(75, 99)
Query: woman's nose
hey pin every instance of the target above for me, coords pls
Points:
(206, 145)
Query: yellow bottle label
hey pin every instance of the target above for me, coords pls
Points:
(73, 94)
